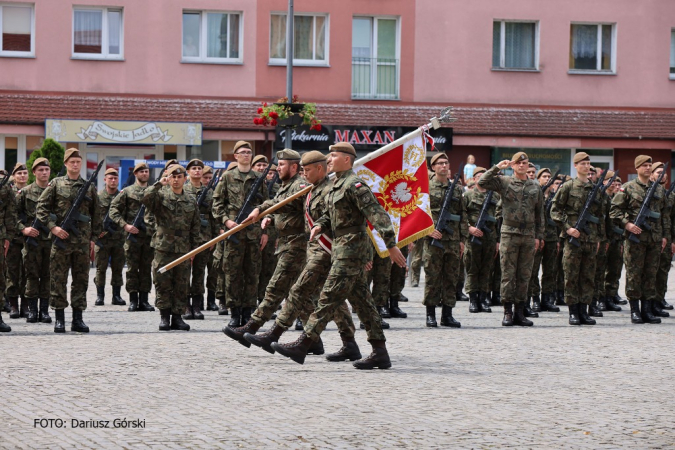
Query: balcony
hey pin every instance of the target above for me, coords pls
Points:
(375, 79)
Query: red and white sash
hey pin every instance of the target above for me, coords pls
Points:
(324, 241)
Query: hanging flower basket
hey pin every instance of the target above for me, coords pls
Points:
(288, 114)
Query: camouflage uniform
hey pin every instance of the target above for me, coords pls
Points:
(416, 262)
(207, 231)
(16, 277)
(178, 227)
(479, 259)
(35, 259)
(546, 259)
(57, 199)
(666, 259)
(112, 248)
(614, 259)
(8, 220)
(269, 257)
(601, 259)
(397, 277)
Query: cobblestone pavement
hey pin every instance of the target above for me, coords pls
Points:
(480, 386)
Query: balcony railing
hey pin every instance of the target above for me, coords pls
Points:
(375, 78)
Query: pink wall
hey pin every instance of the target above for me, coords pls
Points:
(457, 36)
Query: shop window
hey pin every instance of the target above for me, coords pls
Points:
(208, 151)
(672, 54)
(214, 37)
(515, 45)
(310, 39)
(11, 151)
(17, 30)
(592, 48)
(97, 33)
(375, 58)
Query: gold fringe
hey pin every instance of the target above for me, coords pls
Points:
(404, 242)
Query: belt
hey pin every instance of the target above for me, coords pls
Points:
(291, 231)
(349, 230)
(178, 233)
(513, 223)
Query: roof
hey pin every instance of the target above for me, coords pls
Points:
(30, 108)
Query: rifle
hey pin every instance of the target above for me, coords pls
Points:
(445, 217)
(216, 177)
(109, 227)
(3, 183)
(550, 182)
(586, 216)
(484, 218)
(73, 215)
(247, 207)
(547, 207)
(646, 213)
(604, 187)
(202, 197)
(38, 226)
(271, 183)
(62, 172)
(139, 223)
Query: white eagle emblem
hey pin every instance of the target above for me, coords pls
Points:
(401, 193)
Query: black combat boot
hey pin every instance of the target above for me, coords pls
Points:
(548, 303)
(349, 351)
(395, 311)
(100, 296)
(378, 359)
(237, 333)
(610, 305)
(197, 305)
(527, 311)
(402, 298)
(245, 316)
(460, 296)
(431, 317)
(211, 301)
(583, 315)
(383, 324)
(666, 305)
(4, 328)
(78, 324)
(133, 302)
(519, 316)
(222, 309)
(593, 309)
(264, 340)
(296, 350)
(483, 302)
(235, 318)
(601, 304)
(23, 308)
(559, 298)
(574, 314)
(647, 315)
(384, 311)
(618, 300)
(5, 305)
(59, 321)
(33, 310)
(536, 304)
(189, 313)
(177, 323)
(44, 316)
(474, 306)
(316, 348)
(507, 321)
(165, 319)
(635, 315)
(495, 299)
(14, 312)
(143, 303)
(658, 310)
(298, 325)
(446, 318)
(117, 296)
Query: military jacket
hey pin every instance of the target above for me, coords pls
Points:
(177, 219)
(606, 202)
(614, 233)
(316, 205)
(289, 220)
(437, 192)
(551, 229)
(57, 199)
(626, 206)
(208, 224)
(18, 236)
(230, 196)
(105, 200)
(569, 202)
(671, 203)
(125, 206)
(8, 216)
(473, 204)
(27, 207)
(522, 203)
(350, 203)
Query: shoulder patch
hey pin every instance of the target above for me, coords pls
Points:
(303, 185)
(358, 184)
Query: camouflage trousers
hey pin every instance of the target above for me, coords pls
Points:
(397, 280)
(346, 280)
(579, 267)
(171, 287)
(288, 269)
(516, 256)
(198, 270)
(36, 264)
(241, 263)
(614, 268)
(560, 273)
(546, 259)
(416, 261)
(300, 299)
(441, 272)
(74, 258)
(479, 261)
(642, 264)
(600, 269)
(496, 276)
(665, 263)
(113, 253)
(212, 273)
(16, 277)
(269, 262)
(461, 275)
(3, 279)
(388, 279)
(139, 258)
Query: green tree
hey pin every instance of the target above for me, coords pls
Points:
(51, 150)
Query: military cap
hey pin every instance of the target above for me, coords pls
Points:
(232, 165)
(520, 156)
(288, 154)
(655, 166)
(581, 156)
(593, 169)
(542, 171)
(207, 169)
(609, 174)
(479, 170)
(273, 167)
(19, 166)
(141, 166)
(195, 163)
(241, 144)
(259, 158)
(438, 156)
(312, 157)
(640, 160)
(40, 162)
(618, 179)
(343, 147)
(71, 153)
(175, 169)
(112, 171)
(3, 172)
(169, 163)
(531, 166)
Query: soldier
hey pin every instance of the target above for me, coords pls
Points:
(600, 302)
(349, 204)
(111, 240)
(242, 252)
(16, 278)
(416, 262)
(138, 253)
(212, 272)
(642, 257)
(442, 265)
(614, 258)
(666, 258)
(8, 220)
(522, 232)
(531, 171)
(578, 261)
(178, 231)
(73, 254)
(36, 250)
(396, 285)
(291, 250)
(479, 258)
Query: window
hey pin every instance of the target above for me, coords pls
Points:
(592, 48)
(515, 45)
(672, 54)
(17, 30)
(98, 33)
(212, 37)
(375, 60)
(310, 39)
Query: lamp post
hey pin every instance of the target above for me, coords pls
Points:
(289, 66)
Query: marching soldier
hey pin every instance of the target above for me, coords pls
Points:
(666, 258)
(178, 232)
(614, 257)
(212, 272)
(16, 277)
(57, 199)
(521, 235)
(8, 220)
(111, 248)
(642, 257)
(124, 209)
